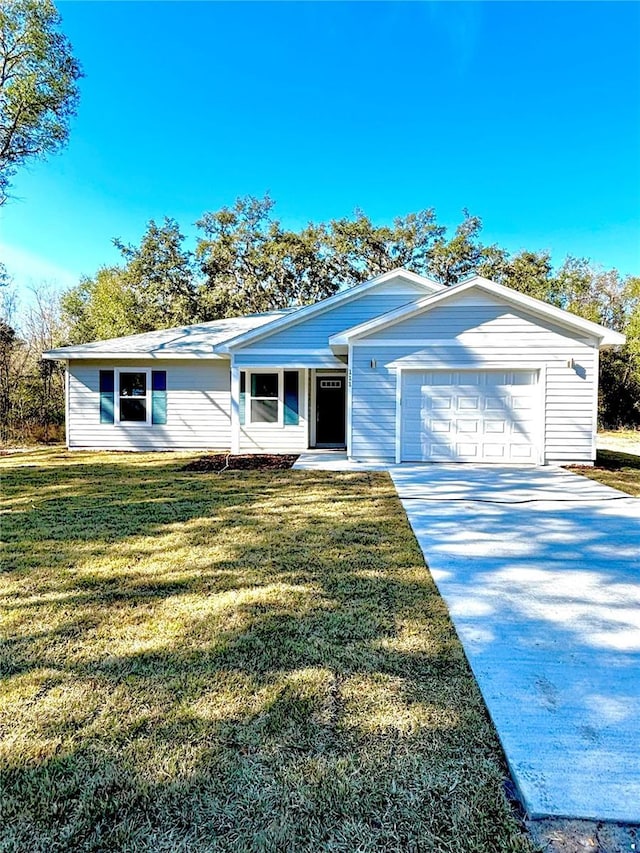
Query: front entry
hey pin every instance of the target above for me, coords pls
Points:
(331, 411)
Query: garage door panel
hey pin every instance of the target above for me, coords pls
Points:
(441, 426)
(469, 416)
(494, 451)
(496, 404)
(468, 451)
(466, 404)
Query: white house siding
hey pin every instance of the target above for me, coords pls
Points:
(311, 335)
(476, 336)
(198, 407)
(248, 358)
(274, 439)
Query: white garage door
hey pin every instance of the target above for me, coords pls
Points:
(469, 416)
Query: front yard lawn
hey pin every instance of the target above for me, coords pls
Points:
(617, 469)
(251, 661)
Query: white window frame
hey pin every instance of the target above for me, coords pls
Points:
(147, 396)
(248, 398)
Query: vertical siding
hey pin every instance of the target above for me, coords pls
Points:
(495, 336)
(198, 408)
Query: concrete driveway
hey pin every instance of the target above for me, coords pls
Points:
(540, 569)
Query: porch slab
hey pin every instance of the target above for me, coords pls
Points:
(334, 460)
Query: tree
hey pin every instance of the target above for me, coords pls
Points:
(42, 387)
(13, 359)
(154, 289)
(160, 277)
(529, 272)
(455, 259)
(98, 308)
(251, 263)
(38, 84)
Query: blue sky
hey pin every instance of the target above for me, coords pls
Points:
(526, 113)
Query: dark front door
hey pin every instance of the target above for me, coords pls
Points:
(330, 410)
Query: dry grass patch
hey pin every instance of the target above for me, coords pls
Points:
(616, 469)
(246, 662)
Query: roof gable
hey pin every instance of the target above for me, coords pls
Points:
(534, 307)
(400, 280)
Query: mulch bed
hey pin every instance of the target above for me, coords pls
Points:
(243, 462)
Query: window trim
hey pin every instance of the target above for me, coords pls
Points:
(248, 398)
(248, 421)
(147, 396)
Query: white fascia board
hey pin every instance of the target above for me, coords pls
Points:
(605, 337)
(307, 311)
(69, 354)
(415, 277)
(388, 319)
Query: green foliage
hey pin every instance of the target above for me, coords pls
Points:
(9, 345)
(529, 272)
(453, 260)
(245, 261)
(31, 389)
(154, 289)
(251, 263)
(159, 278)
(38, 84)
(99, 308)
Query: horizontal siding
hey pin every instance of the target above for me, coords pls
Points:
(295, 358)
(286, 439)
(479, 316)
(373, 406)
(314, 333)
(569, 398)
(198, 408)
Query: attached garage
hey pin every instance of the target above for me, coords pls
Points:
(471, 416)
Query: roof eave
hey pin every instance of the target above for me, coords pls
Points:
(69, 354)
(605, 337)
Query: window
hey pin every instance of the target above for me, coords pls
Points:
(273, 397)
(264, 398)
(133, 396)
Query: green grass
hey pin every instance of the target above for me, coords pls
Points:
(244, 662)
(617, 469)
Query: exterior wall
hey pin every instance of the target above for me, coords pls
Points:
(278, 438)
(198, 407)
(309, 338)
(476, 333)
(247, 359)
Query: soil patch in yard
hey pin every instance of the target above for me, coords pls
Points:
(243, 462)
(614, 468)
(564, 835)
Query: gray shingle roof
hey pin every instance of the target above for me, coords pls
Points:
(198, 340)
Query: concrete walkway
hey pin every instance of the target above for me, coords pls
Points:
(540, 569)
(333, 460)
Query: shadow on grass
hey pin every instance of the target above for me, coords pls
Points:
(254, 662)
(613, 460)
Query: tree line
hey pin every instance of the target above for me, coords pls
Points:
(245, 261)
